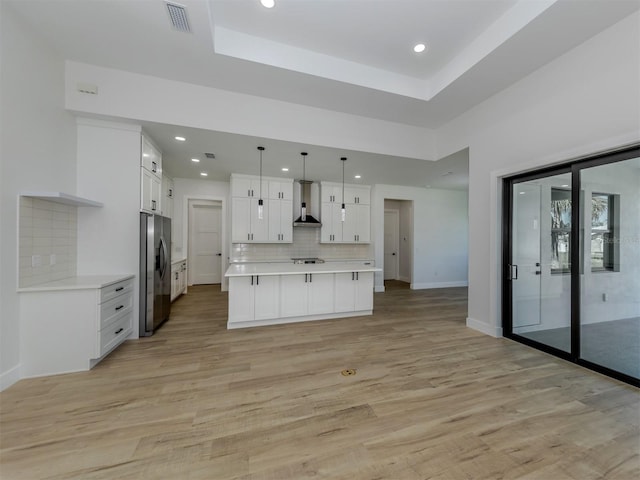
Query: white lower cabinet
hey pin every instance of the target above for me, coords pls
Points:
(255, 297)
(306, 294)
(72, 324)
(353, 291)
(295, 297)
(178, 279)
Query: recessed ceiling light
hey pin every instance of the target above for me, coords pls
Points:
(419, 48)
(180, 139)
(268, 3)
(522, 193)
(357, 176)
(195, 160)
(145, 155)
(285, 169)
(203, 174)
(565, 185)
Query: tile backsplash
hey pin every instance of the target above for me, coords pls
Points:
(306, 243)
(48, 241)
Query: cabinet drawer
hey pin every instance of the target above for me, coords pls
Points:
(113, 290)
(115, 333)
(114, 308)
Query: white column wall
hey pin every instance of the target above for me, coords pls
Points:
(37, 153)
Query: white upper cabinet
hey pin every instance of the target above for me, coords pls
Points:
(276, 225)
(167, 196)
(331, 193)
(357, 194)
(151, 158)
(248, 186)
(356, 227)
(149, 192)
(281, 189)
(150, 177)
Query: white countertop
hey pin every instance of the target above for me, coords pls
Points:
(178, 260)
(248, 269)
(77, 283)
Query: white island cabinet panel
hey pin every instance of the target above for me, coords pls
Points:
(320, 299)
(274, 293)
(293, 295)
(353, 291)
(253, 298)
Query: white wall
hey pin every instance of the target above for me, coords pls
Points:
(585, 101)
(109, 172)
(37, 152)
(142, 97)
(439, 234)
(185, 189)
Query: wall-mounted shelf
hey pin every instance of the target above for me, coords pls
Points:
(64, 198)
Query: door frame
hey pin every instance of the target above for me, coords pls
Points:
(396, 212)
(225, 240)
(190, 270)
(574, 167)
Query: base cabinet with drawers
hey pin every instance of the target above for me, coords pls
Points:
(70, 325)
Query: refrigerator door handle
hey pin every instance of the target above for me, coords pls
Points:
(163, 257)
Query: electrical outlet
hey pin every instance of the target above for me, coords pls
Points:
(605, 297)
(36, 260)
(52, 259)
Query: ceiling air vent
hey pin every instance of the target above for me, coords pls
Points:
(210, 155)
(178, 16)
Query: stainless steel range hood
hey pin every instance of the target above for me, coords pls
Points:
(306, 219)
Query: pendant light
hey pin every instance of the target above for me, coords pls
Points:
(344, 211)
(303, 206)
(260, 202)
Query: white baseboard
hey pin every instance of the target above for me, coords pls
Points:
(306, 318)
(491, 330)
(425, 286)
(9, 377)
(379, 289)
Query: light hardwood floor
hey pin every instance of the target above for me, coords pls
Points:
(431, 399)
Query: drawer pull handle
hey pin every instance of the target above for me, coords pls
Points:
(119, 288)
(119, 330)
(118, 308)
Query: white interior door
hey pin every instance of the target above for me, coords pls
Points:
(205, 242)
(391, 243)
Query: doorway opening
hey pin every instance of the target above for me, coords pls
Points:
(205, 242)
(398, 243)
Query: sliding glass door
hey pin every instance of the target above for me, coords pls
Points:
(571, 282)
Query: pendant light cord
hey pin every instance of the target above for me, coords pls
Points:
(344, 160)
(261, 150)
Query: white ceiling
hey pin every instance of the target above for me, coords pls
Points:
(351, 56)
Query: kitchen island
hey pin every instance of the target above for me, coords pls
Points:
(275, 293)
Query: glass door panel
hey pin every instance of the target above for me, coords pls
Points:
(541, 258)
(610, 280)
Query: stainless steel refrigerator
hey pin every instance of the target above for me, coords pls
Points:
(155, 272)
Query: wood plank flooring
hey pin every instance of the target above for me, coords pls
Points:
(431, 399)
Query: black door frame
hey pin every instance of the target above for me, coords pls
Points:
(574, 167)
